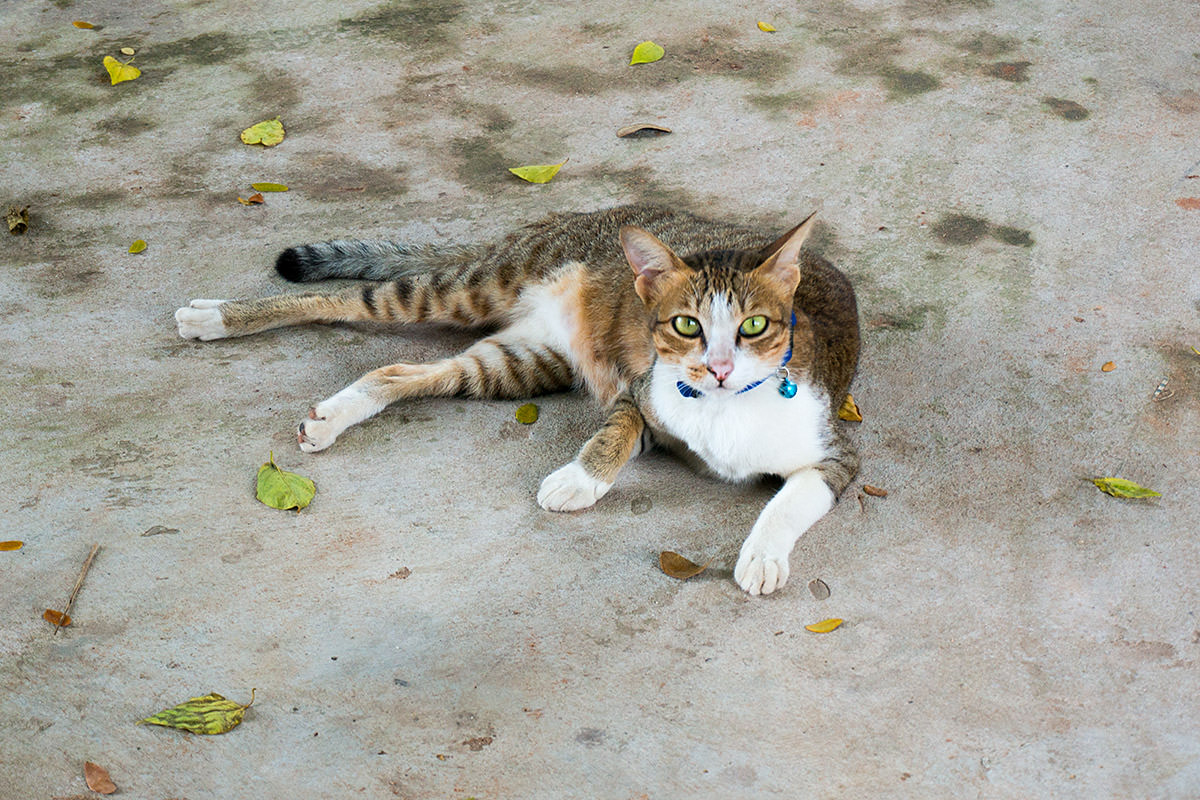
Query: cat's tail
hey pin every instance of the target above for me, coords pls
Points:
(369, 260)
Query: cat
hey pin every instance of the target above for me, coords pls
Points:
(735, 355)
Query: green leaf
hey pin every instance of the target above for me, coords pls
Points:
(267, 133)
(210, 714)
(646, 53)
(527, 414)
(281, 489)
(541, 173)
(138, 246)
(1119, 487)
(268, 187)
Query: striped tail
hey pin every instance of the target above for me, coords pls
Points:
(370, 260)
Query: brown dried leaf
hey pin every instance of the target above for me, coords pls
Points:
(676, 566)
(18, 219)
(849, 410)
(639, 129)
(97, 778)
(874, 491)
(819, 589)
(11, 545)
(1108, 366)
(56, 618)
(252, 200)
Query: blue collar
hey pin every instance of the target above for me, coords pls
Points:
(787, 387)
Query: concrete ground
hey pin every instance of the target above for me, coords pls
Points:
(1012, 187)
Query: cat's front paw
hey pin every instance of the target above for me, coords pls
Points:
(327, 419)
(570, 488)
(319, 430)
(201, 319)
(759, 570)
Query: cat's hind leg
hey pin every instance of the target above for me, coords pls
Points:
(508, 364)
(805, 497)
(586, 479)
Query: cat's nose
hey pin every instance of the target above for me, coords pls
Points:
(721, 368)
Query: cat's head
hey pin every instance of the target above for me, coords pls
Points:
(722, 319)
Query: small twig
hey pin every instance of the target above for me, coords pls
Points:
(78, 585)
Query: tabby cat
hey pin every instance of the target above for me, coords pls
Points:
(735, 355)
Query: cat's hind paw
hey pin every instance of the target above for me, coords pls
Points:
(201, 319)
(570, 488)
(759, 572)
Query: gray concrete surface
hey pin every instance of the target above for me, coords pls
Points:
(1010, 631)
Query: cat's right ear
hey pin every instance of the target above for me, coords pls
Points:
(650, 259)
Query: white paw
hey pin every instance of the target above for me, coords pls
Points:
(201, 319)
(759, 570)
(570, 488)
(330, 417)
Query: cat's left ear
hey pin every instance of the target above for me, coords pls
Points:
(781, 258)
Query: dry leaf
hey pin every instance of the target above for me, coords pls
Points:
(642, 129)
(819, 589)
(646, 53)
(1108, 366)
(127, 51)
(874, 491)
(18, 219)
(268, 133)
(541, 173)
(824, 626)
(849, 411)
(87, 26)
(676, 566)
(119, 72)
(1119, 487)
(11, 545)
(97, 778)
(252, 200)
(268, 187)
(766, 27)
(211, 714)
(56, 618)
(527, 414)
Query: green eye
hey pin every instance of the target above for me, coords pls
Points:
(686, 326)
(753, 326)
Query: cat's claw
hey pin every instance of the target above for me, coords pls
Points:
(759, 572)
(570, 488)
(201, 319)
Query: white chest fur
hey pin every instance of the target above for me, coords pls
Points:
(742, 436)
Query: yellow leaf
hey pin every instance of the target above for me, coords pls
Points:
(824, 626)
(120, 72)
(527, 414)
(676, 566)
(210, 714)
(1108, 366)
(268, 187)
(541, 173)
(268, 133)
(11, 545)
(138, 246)
(1197, 352)
(1119, 487)
(87, 26)
(281, 489)
(646, 53)
(849, 411)
(127, 51)
(766, 27)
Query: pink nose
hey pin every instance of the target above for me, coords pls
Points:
(720, 368)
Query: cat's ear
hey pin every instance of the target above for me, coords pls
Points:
(651, 260)
(781, 258)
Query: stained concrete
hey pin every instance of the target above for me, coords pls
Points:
(1010, 185)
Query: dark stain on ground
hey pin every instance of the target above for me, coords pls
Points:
(125, 125)
(876, 57)
(908, 82)
(102, 199)
(479, 163)
(1185, 102)
(963, 229)
(1012, 71)
(273, 89)
(783, 102)
(714, 54)
(942, 8)
(569, 79)
(416, 23)
(207, 48)
(1067, 109)
(905, 319)
(334, 176)
(989, 45)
